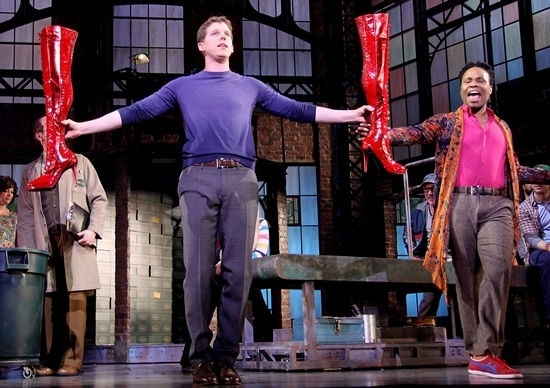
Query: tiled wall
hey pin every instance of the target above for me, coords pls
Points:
(153, 218)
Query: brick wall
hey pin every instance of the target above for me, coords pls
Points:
(390, 223)
(282, 140)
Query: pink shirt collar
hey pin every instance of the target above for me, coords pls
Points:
(482, 153)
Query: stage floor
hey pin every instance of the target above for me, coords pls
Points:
(168, 375)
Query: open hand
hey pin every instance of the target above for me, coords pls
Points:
(362, 131)
(87, 238)
(73, 128)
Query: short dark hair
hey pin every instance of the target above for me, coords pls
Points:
(37, 126)
(481, 65)
(6, 183)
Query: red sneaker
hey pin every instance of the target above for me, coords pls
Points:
(493, 366)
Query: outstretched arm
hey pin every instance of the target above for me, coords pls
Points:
(104, 123)
(332, 116)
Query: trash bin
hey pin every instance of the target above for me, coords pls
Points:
(22, 284)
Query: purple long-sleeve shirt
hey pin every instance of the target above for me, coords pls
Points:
(217, 112)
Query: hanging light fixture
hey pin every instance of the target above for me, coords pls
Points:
(140, 59)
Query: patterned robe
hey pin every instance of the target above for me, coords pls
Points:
(445, 131)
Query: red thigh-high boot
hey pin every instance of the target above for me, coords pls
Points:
(56, 46)
(373, 32)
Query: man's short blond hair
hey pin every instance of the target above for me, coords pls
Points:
(201, 33)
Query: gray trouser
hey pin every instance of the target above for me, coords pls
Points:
(216, 202)
(429, 304)
(482, 235)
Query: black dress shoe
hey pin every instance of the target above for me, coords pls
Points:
(228, 375)
(203, 374)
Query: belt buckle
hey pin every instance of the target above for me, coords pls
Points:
(480, 190)
(226, 163)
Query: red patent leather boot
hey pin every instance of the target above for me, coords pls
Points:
(56, 46)
(374, 37)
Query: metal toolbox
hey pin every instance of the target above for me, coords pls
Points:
(333, 330)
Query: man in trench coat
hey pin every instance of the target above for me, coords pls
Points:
(72, 272)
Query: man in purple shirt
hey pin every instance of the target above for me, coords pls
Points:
(476, 212)
(218, 188)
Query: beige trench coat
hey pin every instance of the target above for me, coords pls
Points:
(80, 262)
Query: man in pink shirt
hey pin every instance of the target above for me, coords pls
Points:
(477, 194)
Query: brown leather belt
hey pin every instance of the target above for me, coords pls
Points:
(478, 190)
(221, 163)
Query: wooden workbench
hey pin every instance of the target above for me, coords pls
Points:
(310, 272)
